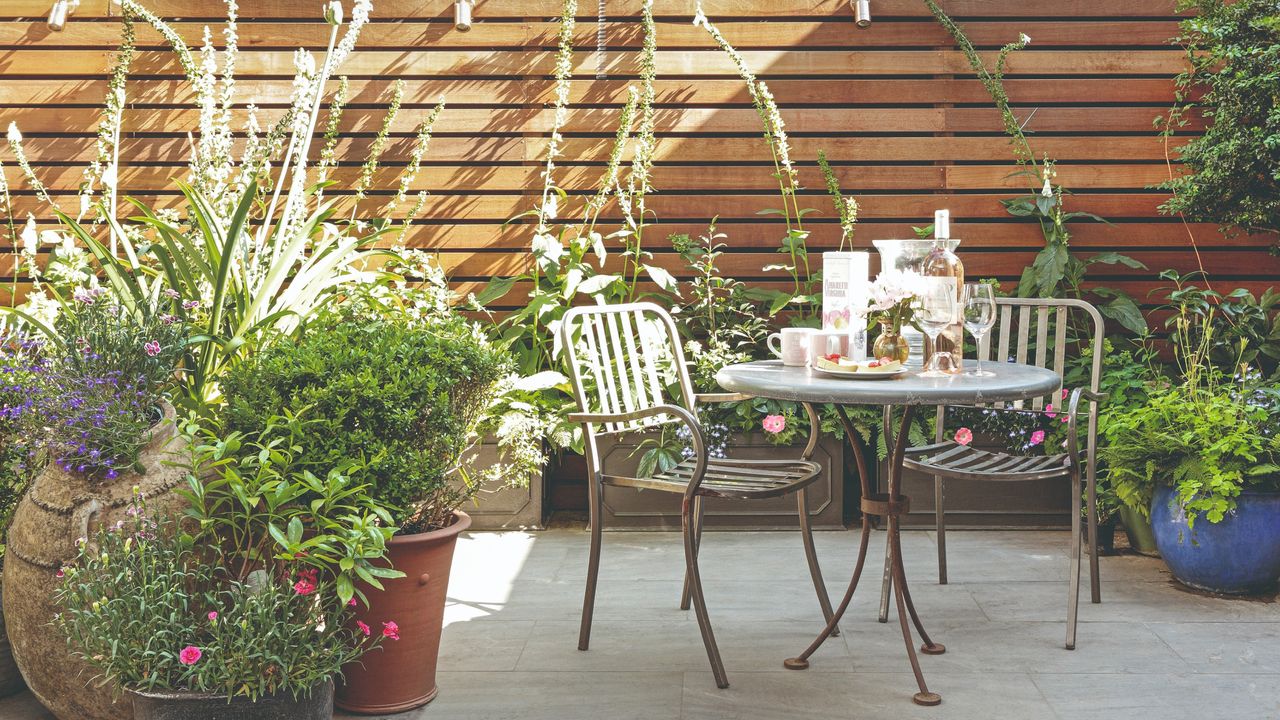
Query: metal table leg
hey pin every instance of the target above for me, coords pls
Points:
(889, 505)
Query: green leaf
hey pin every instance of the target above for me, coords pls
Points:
(495, 289)
(664, 279)
(1125, 311)
(295, 531)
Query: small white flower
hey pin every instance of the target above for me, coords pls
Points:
(30, 238)
(15, 136)
(1047, 190)
(109, 176)
(551, 207)
(1024, 38)
(699, 17)
(333, 12)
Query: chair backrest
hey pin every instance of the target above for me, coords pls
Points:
(623, 358)
(1044, 332)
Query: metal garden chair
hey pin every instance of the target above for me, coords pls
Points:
(1035, 331)
(622, 360)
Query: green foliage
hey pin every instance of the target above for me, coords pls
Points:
(402, 398)
(137, 596)
(259, 499)
(1244, 330)
(1233, 49)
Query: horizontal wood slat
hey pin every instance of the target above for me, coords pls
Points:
(895, 107)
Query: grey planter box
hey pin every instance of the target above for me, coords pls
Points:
(506, 508)
(630, 509)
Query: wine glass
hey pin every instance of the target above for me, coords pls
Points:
(935, 311)
(979, 318)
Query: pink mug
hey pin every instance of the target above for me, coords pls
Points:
(827, 342)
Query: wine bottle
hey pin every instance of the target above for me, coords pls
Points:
(942, 265)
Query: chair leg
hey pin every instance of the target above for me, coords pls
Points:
(1095, 578)
(593, 565)
(699, 602)
(886, 584)
(811, 554)
(1077, 543)
(940, 514)
(699, 517)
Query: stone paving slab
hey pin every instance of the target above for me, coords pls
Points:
(1151, 649)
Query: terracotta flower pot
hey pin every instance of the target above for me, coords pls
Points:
(57, 510)
(176, 705)
(402, 674)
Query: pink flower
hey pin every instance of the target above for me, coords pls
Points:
(1037, 437)
(774, 423)
(391, 630)
(1064, 393)
(304, 587)
(351, 602)
(171, 293)
(213, 615)
(168, 319)
(61, 572)
(363, 628)
(191, 305)
(152, 348)
(190, 655)
(1048, 411)
(964, 436)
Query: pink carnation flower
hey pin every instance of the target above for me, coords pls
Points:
(1049, 412)
(213, 615)
(152, 348)
(774, 424)
(190, 655)
(391, 630)
(964, 436)
(1037, 437)
(363, 628)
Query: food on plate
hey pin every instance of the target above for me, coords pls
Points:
(841, 364)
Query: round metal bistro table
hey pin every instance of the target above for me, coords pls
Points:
(771, 379)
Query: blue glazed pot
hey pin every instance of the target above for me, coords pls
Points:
(1237, 556)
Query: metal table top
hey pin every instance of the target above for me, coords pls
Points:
(771, 379)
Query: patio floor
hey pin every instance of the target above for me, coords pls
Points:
(1150, 650)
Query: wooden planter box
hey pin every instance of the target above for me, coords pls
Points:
(630, 509)
(506, 508)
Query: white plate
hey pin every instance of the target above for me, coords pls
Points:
(858, 375)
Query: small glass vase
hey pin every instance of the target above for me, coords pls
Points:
(891, 344)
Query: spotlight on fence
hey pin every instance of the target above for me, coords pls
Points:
(462, 14)
(59, 13)
(862, 13)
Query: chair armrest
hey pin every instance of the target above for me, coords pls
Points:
(683, 415)
(1073, 415)
(725, 397)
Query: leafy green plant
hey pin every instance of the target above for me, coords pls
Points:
(271, 510)
(1208, 431)
(402, 397)
(148, 606)
(1233, 54)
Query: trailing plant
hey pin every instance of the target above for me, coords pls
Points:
(1233, 78)
(149, 607)
(1056, 271)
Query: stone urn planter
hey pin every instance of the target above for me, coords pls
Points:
(401, 675)
(175, 705)
(10, 678)
(57, 510)
(1238, 555)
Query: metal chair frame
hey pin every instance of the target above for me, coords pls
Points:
(623, 348)
(947, 459)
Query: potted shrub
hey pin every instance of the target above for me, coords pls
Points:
(400, 387)
(171, 614)
(1202, 456)
(19, 354)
